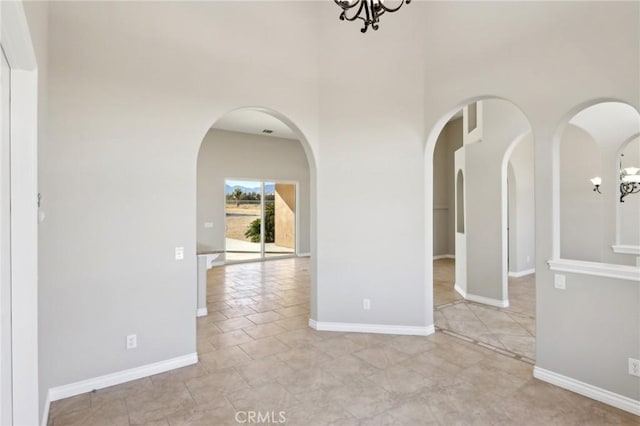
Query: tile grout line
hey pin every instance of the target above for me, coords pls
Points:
(504, 352)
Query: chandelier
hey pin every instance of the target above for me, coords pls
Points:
(369, 11)
(629, 181)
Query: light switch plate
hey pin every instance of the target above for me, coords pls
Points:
(179, 253)
(132, 341)
(560, 281)
(208, 224)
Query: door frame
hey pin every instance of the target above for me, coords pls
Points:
(296, 224)
(15, 40)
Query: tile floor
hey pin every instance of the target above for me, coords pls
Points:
(511, 331)
(257, 354)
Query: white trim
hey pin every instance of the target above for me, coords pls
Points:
(18, 47)
(623, 272)
(16, 38)
(47, 406)
(444, 256)
(488, 301)
(460, 291)
(84, 386)
(522, 273)
(202, 312)
(372, 328)
(626, 249)
(590, 391)
(303, 254)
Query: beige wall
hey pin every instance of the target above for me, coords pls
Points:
(521, 207)
(285, 205)
(581, 209)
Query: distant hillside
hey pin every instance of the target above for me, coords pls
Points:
(269, 188)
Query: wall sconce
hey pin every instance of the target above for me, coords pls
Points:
(629, 182)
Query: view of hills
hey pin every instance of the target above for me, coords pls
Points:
(269, 188)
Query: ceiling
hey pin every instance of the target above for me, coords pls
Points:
(254, 122)
(610, 123)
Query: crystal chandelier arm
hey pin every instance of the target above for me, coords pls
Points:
(392, 9)
(361, 5)
(346, 7)
(368, 11)
(627, 188)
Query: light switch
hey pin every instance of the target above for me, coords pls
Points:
(208, 224)
(559, 281)
(179, 253)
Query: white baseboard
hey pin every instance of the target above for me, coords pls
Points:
(303, 254)
(460, 291)
(202, 312)
(444, 256)
(522, 273)
(83, 386)
(487, 301)
(47, 405)
(372, 328)
(593, 392)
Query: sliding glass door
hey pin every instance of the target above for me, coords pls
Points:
(260, 219)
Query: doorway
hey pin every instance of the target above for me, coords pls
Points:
(483, 138)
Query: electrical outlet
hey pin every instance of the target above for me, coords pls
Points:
(132, 341)
(634, 367)
(560, 281)
(366, 304)
(179, 253)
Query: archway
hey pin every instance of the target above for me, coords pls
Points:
(590, 143)
(244, 301)
(492, 128)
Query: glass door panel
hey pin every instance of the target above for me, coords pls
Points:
(243, 213)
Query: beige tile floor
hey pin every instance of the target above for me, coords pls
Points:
(257, 354)
(510, 331)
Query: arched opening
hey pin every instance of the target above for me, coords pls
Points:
(590, 148)
(491, 130)
(445, 182)
(255, 233)
(518, 212)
